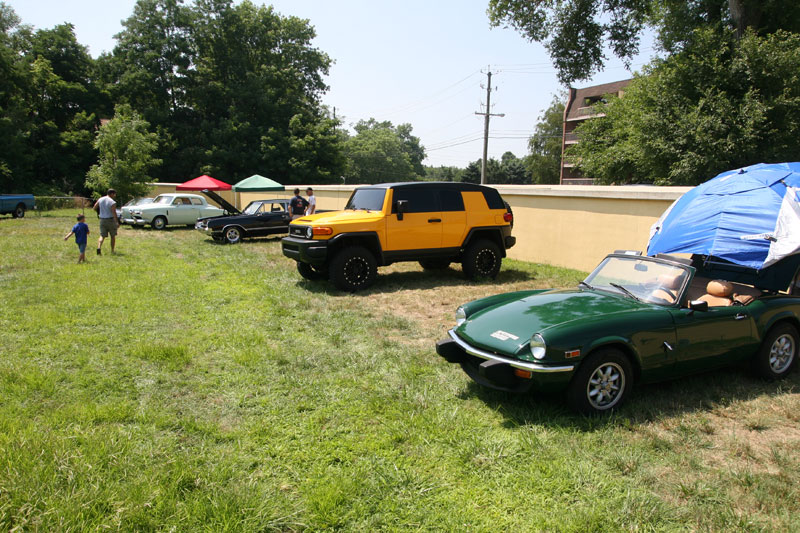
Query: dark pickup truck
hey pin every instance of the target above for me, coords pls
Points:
(16, 204)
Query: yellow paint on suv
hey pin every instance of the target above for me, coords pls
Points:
(433, 223)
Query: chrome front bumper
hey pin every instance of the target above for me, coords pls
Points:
(515, 363)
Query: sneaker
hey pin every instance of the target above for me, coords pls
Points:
(98, 251)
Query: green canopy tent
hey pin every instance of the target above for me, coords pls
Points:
(255, 183)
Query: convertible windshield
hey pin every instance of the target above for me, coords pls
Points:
(369, 199)
(639, 278)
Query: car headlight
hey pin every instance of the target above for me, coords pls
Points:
(461, 316)
(538, 347)
(309, 232)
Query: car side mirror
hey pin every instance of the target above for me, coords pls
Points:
(401, 208)
(698, 305)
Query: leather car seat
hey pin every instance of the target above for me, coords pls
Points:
(718, 293)
(669, 285)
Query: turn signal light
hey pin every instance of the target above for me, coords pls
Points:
(524, 374)
(322, 230)
(508, 217)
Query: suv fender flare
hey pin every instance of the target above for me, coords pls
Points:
(368, 239)
(494, 234)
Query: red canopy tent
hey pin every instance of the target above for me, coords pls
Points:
(203, 182)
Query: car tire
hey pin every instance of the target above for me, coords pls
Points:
(159, 222)
(19, 211)
(233, 234)
(778, 352)
(434, 264)
(311, 272)
(353, 269)
(601, 383)
(482, 260)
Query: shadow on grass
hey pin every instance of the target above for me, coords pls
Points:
(648, 402)
(418, 280)
(248, 240)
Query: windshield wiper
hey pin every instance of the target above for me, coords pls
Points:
(585, 285)
(626, 291)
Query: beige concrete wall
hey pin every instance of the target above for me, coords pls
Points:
(571, 226)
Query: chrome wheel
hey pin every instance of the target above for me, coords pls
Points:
(233, 235)
(781, 353)
(605, 386)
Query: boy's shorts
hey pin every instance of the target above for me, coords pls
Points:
(82, 247)
(108, 226)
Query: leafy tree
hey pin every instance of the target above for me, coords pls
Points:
(512, 171)
(443, 173)
(231, 89)
(494, 174)
(411, 144)
(126, 150)
(376, 155)
(722, 103)
(544, 160)
(575, 32)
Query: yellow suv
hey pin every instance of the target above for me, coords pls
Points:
(430, 222)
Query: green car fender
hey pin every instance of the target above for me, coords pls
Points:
(640, 334)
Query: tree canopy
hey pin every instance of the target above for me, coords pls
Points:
(544, 160)
(669, 129)
(576, 33)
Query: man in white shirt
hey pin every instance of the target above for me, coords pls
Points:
(312, 202)
(106, 209)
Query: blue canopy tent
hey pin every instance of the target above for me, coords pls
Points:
(748, 217)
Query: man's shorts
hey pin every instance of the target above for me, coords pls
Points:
(108, 226)
(82, 247)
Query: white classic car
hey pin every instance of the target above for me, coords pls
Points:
(173, 209)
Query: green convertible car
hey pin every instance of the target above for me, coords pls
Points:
(633, 319)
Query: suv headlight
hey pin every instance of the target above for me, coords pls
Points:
(538, 347)
(461, 316)
(309, 232)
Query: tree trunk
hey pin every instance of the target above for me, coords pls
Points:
(745, 14)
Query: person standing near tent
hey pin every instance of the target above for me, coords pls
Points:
(312, 202)
(298, 205)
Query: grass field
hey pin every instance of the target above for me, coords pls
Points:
(182, 385)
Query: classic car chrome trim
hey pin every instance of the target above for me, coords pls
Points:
(533, 367)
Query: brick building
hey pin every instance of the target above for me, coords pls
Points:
(580, 107)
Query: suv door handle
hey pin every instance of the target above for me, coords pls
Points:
(434, 220)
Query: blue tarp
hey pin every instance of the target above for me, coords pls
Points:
(732, 216)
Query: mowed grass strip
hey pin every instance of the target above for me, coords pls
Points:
(189, 386)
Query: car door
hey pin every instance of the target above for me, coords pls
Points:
(276, 217)
(179, 211)
(707, 339)
(421, 224)
(454, 218)
(199, 210)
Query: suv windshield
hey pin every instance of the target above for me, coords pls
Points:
(640, 278)
(369, 199)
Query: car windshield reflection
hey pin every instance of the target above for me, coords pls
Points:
(252, 208)
(369, 199)
(640, 278)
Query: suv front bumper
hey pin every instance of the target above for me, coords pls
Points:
(308, 251)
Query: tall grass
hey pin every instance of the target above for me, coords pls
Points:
(184, 385)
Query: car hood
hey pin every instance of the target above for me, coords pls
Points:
(338, 217)
(507, 327)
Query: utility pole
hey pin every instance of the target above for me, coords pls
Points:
(486, 116)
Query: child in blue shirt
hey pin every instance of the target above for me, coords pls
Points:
(80, 230)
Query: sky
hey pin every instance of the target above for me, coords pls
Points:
(422, 62)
